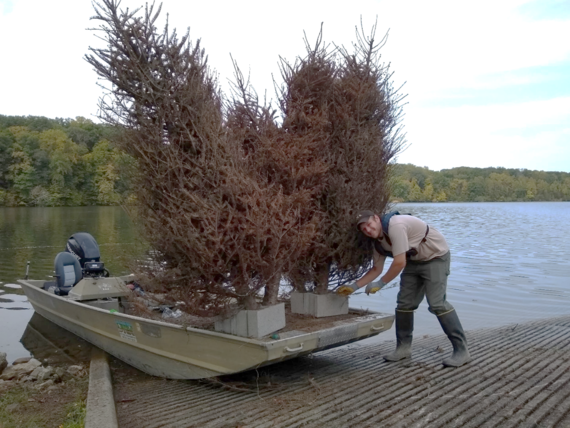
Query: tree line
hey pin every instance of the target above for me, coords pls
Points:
(61, 162)
(73, 162)
(411, 183)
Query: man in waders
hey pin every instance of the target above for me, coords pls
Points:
(422, 256)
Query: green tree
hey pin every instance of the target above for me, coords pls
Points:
(104, 163)
(458, 190)
(7, 140)
(63, 154)
(21, 173)
(543, 190)
(531, 189)
(401, 189)
(500, 187)
(441, 196)
(428, 193)
(85, 132)
(476, 189)
(416, 193)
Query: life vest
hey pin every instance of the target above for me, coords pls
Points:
(385, 221)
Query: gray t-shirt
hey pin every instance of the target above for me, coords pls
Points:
(406, 232)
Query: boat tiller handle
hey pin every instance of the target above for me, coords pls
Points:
(300, 348)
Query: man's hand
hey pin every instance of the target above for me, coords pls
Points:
(346, 289)
(375, 286)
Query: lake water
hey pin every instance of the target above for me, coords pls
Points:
(37, 235)
(510, 261)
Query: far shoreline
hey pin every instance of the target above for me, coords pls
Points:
(395, 201)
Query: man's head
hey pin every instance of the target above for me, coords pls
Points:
(369, 223)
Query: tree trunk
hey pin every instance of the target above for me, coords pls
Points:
(298, 282)
(322, 279)
(272, 291)
(249, 302)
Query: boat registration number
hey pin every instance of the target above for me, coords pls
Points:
(126, 331)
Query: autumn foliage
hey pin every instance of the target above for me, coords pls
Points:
(235, 195)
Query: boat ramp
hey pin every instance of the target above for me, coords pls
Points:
(519, 377)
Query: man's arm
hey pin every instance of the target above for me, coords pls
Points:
(373, 273)
(396, 267)
(368, 277)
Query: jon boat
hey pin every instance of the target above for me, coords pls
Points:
(91, 308)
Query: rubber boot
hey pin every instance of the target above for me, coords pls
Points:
(452, 327)
(404, 329)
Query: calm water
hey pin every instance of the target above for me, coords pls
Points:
(510, 262)
(37, 235)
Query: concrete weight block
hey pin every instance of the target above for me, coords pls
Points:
(256, 323)
(319, 305)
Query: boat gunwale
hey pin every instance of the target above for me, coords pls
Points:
(252, 341)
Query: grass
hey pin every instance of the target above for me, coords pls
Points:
(22, 406)
(9, 418)
(75, 417)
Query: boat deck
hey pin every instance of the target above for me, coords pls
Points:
(519, 377)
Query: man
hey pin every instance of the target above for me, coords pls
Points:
(422, 256)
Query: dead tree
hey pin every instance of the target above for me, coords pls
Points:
(230, 196)
(285, 164)
(347, 100)
(220, 228)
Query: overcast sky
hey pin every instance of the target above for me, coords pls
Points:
(488, 81)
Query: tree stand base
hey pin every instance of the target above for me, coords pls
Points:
(256, 323)
(319, 305)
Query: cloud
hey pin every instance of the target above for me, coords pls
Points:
(546, 9)
(45, 42)
(487, 80)
(6, 6)
(488, 86)
(532, 135)
(461, 46)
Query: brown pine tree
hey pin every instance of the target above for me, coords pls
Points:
(231, 197)
(221, 225)
(346, 100)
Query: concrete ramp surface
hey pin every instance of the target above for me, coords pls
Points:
(519, 377)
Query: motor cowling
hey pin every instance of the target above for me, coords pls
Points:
(85, 249)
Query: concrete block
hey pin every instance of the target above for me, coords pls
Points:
(257, 323)
(101, 411)
(299, 305)
(319, 305)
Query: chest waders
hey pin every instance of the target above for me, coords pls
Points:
(404, 330)
(404, 318)
(452, 328)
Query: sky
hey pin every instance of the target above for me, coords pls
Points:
(487, 81)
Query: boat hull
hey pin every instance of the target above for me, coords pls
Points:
(175, 352)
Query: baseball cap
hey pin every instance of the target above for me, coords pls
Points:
(363, 217)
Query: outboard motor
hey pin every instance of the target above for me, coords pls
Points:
(84, 248)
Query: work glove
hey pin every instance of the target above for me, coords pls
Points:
(346, 289)
(373, 287)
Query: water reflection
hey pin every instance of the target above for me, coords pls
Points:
(15, 312)
(38, 234)
(51, 344)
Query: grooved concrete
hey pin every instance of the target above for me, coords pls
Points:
(519, 377)
(100, 402)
